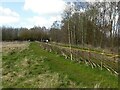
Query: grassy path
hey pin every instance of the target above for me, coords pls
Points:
(85, 49)
(35, 67)
(82, 74)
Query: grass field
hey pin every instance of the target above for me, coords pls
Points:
(31, 66)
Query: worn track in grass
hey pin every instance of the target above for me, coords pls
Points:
(36, 67)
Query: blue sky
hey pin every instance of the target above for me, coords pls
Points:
(16, 7)
(28, 13)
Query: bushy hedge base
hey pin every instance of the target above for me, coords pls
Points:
(87, 57)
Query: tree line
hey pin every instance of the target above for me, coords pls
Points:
(97, 25)
(83, 23)
(24, 34)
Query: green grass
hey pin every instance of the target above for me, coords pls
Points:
(39, 68)
(91, 49)
(79, 73)
(26, 69)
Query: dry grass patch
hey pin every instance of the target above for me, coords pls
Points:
(11, 47)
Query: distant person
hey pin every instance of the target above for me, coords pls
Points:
(46, 41)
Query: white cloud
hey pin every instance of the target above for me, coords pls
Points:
(48, 10)
(37, 20)
(58, 17)
(8, 12)
(8, 19)
(4, 1)
(44, 6)
(90, 0)
(7, 16)
(43, 21)
(101, 0)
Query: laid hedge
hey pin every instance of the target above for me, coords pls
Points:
(87, 57)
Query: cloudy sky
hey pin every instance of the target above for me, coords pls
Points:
(27, 13)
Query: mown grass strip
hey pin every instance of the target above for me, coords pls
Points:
(85, 49)
(65, 51)
(79, 73)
